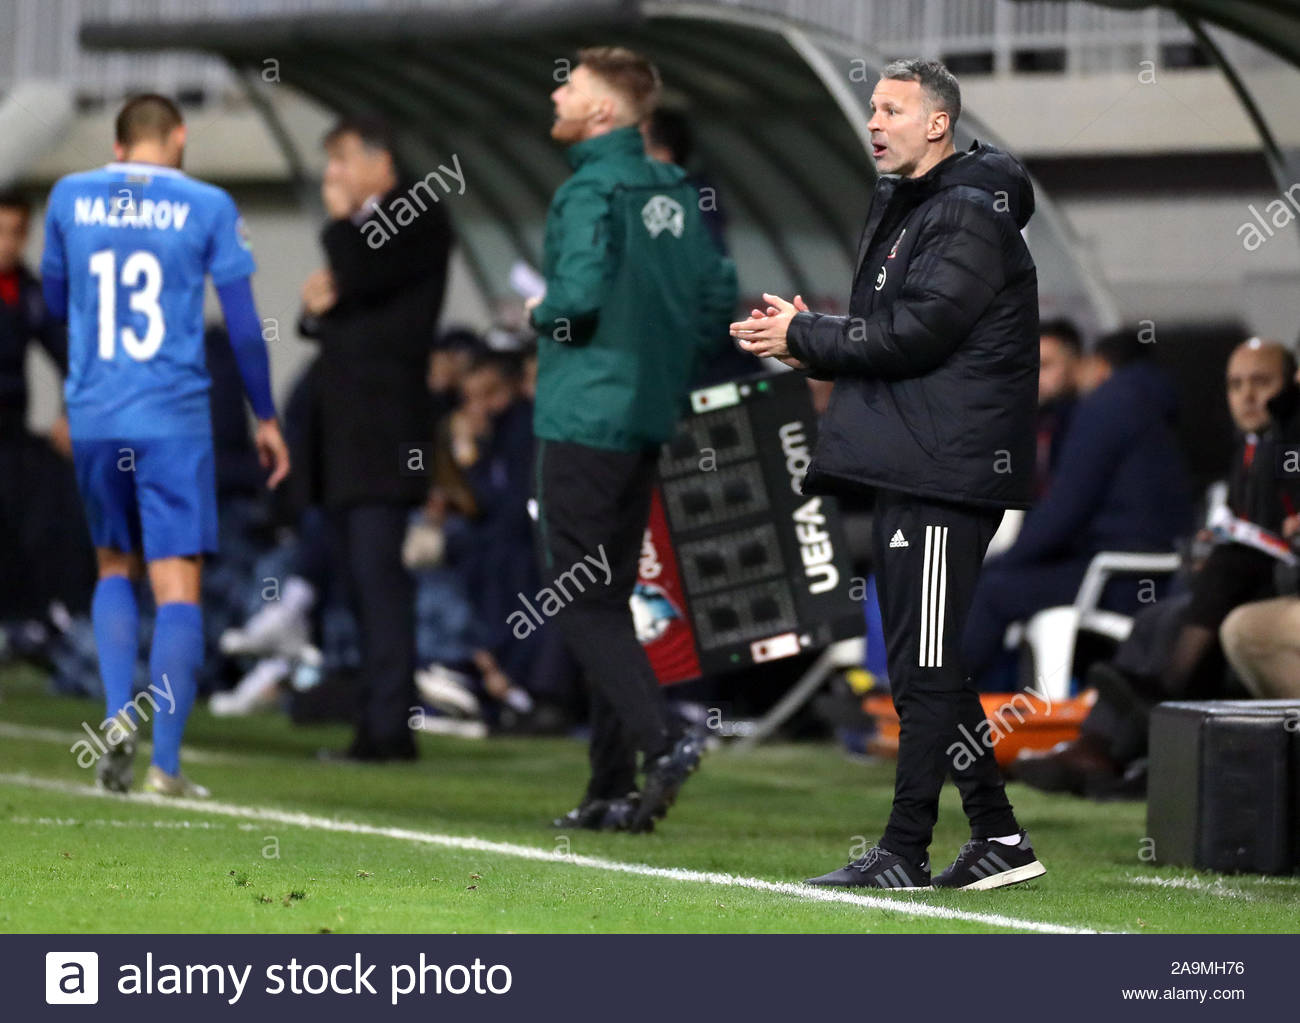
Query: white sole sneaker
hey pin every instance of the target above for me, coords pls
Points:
(1015, 875)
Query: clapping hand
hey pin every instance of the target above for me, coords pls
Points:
(764, 333)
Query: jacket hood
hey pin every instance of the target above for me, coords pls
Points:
(991, 170)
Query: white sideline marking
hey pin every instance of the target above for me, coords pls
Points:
(527, 852)
(74, 822)
(1216, 887)
(70, 739)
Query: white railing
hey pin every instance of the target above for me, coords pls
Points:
(38, 38)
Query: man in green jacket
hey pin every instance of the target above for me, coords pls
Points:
(636, 292)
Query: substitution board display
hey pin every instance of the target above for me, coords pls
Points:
(738, 566)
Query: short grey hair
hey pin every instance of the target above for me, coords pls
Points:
(937, 82)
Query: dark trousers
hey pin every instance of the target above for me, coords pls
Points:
(927, 556)
(1014, 593)
(368, 541)
(592, 509)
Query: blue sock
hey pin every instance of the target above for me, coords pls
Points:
(173, 662)
(116, 620)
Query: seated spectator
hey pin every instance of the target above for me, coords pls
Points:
(450, 357)
(1261, 640)
(1262, 643)
(245, 532)
(1059, 355)
(1173, 651)
(1120, 484)
(304, 619)
(479, 506)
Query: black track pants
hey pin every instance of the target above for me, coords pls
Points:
(927, 557)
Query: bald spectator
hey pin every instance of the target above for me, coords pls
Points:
(1174, 651)
(1261, 639)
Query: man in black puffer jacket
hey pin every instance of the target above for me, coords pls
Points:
(936, 384)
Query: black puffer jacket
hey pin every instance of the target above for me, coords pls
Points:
(936, 365)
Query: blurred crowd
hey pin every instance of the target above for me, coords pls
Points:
(376, 586)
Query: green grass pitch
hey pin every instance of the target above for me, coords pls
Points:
(75, 861)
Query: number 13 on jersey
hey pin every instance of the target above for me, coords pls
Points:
(141, 278)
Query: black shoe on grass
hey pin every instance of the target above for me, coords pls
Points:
(879, 868)
(601, 814)
(664, 779)
(984, 863)
(115, 770)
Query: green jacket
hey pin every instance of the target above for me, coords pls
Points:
(636, 291)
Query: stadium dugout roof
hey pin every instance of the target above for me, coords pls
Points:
(778, 109)
(1272, 25)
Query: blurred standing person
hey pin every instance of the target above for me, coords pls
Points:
(636, 292)
(373, 310)
(935, 371)
(669, 139)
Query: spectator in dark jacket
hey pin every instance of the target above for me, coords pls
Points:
(373, 310)
(1120, 484)
(45, 554)
(935, 370)
(492, 444)
(1174, 650)
(1059, 352)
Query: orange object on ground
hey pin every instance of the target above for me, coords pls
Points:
(1016, 721)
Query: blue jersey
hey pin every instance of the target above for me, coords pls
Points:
(134, 242)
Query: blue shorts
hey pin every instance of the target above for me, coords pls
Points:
(157, 495)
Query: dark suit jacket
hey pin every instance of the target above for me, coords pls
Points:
(372, 401)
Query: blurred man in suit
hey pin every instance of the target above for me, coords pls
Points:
(373, 309)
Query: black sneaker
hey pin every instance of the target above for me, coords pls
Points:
(664, 779)
(984, 863)
(879, 868)
(115, 769)
(602, 814)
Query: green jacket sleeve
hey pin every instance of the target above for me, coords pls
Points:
(717, 306)
(578, 226)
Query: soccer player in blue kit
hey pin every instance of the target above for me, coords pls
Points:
(127, 248)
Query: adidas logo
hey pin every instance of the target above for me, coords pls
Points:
(897, 539)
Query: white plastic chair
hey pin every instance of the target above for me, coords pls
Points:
(1052, 634)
